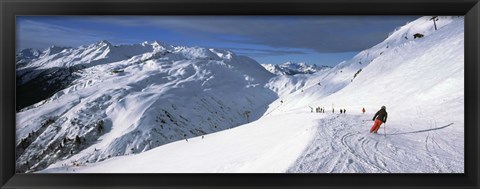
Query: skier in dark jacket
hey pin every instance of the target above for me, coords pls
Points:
(381, 117)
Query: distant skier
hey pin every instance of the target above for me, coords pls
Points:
(333, 110)
(341, 111)
(185, 136)
(311, 109)
(344, 111)
(381, 117)
(363, 110)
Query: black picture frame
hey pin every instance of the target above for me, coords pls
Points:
(9, 9)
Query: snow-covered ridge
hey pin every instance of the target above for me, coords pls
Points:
(128, 99)
(329, 81)
(292, 68)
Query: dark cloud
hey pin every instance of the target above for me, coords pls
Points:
(323, 34)
(263, 35)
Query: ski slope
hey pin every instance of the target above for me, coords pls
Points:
(342, 144)
(321, 143)
(420, 81)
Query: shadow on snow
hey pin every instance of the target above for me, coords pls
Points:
(421, 131)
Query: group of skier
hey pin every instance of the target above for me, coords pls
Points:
(318, 110)
(322, 110)
(379, 118)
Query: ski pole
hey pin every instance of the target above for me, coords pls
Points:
(384, 128)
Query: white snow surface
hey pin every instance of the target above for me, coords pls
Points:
(420, 81)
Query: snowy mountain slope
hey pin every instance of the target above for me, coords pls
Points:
(137, 104)
(420, 81)
(432, 76)
(84, 56)
(291, 68)
(54, 69)
(284, 85)
(387, 52)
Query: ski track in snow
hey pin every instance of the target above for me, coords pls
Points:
(343, 144)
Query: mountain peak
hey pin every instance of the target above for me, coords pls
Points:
(104, 43)
(54, 50)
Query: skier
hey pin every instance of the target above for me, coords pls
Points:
(333, 110)
(344, 111)
(363, 110)
(341, 111)
(381, 117)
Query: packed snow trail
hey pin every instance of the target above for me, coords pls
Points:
(268, 145)
(343, 144)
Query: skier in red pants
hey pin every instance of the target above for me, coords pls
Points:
(381, 116)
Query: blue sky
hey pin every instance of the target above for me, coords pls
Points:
(321, 40)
